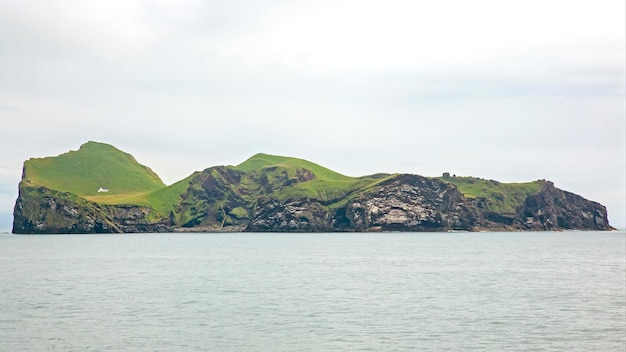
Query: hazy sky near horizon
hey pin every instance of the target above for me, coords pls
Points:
(507, 90)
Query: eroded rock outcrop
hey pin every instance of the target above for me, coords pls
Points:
(408, 202)
(415, 203)
(553, 208)
(45, 211)
(294, 215)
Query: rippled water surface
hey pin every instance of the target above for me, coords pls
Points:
(314, 292)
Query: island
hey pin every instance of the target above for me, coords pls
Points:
(101, 189)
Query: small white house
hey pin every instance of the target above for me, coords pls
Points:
(102, 190)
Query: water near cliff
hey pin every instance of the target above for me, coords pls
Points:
(314, 292)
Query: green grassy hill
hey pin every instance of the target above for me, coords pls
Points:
(92, 167)
(297, 178)
(264, 161)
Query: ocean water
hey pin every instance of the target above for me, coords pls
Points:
(549, 291)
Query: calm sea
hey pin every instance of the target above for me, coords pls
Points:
(558, 291)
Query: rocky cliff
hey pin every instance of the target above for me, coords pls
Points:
(555, 209)
(279, 194)
(415, 203)
(44, 211)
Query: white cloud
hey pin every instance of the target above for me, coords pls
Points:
(407, 35)
(115, 30)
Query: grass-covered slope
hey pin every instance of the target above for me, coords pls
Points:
(92, 167)
(264, 161)
(288, 178)
(492, 195)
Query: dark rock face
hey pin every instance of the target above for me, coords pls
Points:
(133, 218)
(405, 203)
(299, 215)
(409, 203)
(415, 203)
(41, 210)
(553, 208)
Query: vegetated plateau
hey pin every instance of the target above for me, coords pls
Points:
(100, 189)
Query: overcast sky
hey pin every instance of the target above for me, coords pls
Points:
(507, 90)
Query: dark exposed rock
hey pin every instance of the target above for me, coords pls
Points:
(41, 210)
(415, 203)
(553, 208)
(299, 215)
(408, 203)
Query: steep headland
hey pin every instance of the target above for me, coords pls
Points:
(100, 189)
